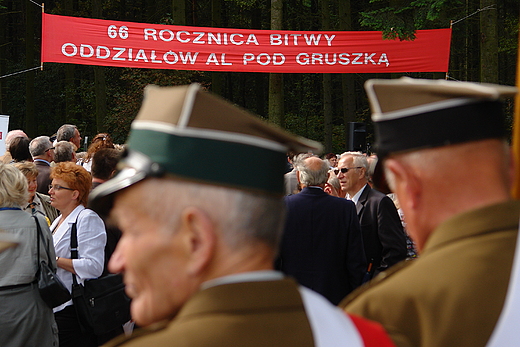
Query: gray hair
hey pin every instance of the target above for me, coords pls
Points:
(299, 158)
(65, 132)
(359, 160)
(39, 145)
(13, 187)
(63, 151)
(309, 177)
(242, 218)
(334, 182)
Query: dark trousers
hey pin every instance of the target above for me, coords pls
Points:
(70, 333)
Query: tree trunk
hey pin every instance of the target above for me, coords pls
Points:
(3, 63)
(69, 78)
(327, 84)
(30, 116)
(179, 12)
(276, 97)
(347, 80)
(217, 78)
(488, 43)
(100, 86)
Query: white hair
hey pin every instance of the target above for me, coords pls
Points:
(359, 160)
(242, 218)
(309, 177)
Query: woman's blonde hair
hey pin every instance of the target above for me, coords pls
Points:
(13, 187)
(28, 168)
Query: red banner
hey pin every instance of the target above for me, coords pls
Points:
(125, 44)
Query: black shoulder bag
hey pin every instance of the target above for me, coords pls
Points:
(101, 304)
(51, 288)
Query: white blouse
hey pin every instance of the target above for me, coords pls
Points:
(91, 246)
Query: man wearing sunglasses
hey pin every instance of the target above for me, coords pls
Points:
(383, 235)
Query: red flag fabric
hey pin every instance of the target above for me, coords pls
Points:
(112, 43)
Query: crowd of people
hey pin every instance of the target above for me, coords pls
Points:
(414, 247)
(41, 177)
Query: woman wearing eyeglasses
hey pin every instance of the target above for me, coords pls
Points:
(69, 192)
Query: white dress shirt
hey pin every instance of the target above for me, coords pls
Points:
(91, 246)
(356, 196)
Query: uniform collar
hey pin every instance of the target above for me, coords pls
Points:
(488, 219)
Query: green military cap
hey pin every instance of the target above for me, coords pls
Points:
(187, 133)
(411, 114)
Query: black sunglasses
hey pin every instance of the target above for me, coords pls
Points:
(345, 169)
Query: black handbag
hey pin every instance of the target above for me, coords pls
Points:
(101, 304)
(51, 288)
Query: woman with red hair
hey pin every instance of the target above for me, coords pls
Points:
(69, 194)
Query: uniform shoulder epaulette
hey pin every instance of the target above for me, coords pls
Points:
(382, 276)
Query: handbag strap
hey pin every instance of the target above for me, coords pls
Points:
(38, 231)
(39, 235)
(74, 245)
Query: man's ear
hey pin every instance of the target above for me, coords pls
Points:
(201, 238)
(327, 189)
(406, 184)
(362, 173)
(298, 177)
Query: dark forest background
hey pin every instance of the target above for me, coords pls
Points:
(317, 106)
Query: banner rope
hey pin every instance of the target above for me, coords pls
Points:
(37, 4)
(448, 77)
(19, 72)
(490, 7)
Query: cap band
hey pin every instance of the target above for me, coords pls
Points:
(213, 161)
(469, 122)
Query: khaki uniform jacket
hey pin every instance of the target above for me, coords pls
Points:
(266, 313)
(454, 293)
(50, 211)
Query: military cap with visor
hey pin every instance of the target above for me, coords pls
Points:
(412, 114)
(186, 133)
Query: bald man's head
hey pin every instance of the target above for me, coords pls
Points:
(313, 171)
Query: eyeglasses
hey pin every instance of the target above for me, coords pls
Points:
(58, 187)
(48, 149)
(345, 169)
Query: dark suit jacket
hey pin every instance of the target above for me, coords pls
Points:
(43, 179)
(383, 235)
(322, 245)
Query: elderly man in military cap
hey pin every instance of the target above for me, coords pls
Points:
(199, 242)
(443, 151)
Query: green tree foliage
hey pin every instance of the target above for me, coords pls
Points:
(400, 22)
(303, 93)
(128, 93)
